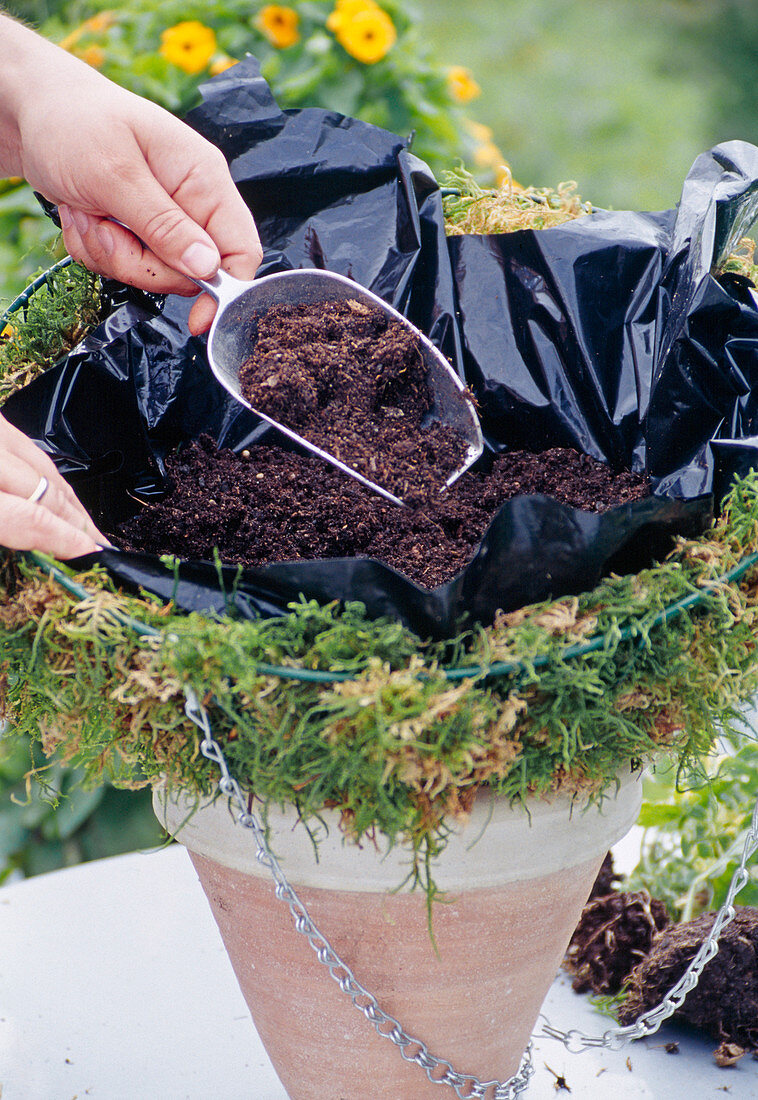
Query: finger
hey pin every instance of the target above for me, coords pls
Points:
(103, 246)
(26, 526)
(216, 204)
(164, 227)
(18, 479)
(17, 449)
(201, 315)
(187, 209)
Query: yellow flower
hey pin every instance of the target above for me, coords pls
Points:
(487, 155)
(189, 45)
(8, 332)
(478, 130)
(221, 64)
(347, 10)
(367, 35)
(72, 38)
(93, 55)
(96, 25)
(279, 25)
(461, 84)
(100, 22)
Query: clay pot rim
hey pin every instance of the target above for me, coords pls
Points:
(500, 843)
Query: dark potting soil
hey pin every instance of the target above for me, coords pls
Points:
(354, 382)
(614, 933)
(270, 505)
(724, 1003)
(606, 880)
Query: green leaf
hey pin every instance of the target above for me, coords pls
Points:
(76, 805)
(654, 814)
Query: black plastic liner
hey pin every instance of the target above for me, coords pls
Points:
(608, 334)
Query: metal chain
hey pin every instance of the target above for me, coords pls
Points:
(649, 1022)
(413, 1050)
(438, 1070)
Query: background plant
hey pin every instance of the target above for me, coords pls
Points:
(620, 97)
(58, 822)
(364, 58)
(694, 836)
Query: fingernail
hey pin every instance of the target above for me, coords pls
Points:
(104, 235)
(81, 221)
(201, 260)
(65, 216)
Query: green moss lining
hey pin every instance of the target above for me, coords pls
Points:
(395, 732)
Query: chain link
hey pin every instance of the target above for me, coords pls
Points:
(438, 1070)
(649, 1022)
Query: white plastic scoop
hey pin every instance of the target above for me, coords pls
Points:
(234, 330)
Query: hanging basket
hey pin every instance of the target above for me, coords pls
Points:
(633, 658)
(572, 690)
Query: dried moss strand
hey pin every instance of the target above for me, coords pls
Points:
(52, 569)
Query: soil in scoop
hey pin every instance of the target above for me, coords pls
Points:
(354, 382)
(270, 505)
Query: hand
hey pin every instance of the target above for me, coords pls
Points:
(102, 153)
(56, 524)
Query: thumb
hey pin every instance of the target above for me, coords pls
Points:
(164, 227)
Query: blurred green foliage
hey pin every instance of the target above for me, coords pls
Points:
(56, 822)
(694, 837)
(164, 51)
(619, 96)
(29, 241)
(405, 89)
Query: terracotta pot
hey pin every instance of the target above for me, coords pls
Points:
(516, 885)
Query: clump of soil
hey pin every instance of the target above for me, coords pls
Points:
(606, 879)
(354, 382)
(270, 505)
(724, 1003)
(614, 933)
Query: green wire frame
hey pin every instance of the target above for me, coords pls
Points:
(497, 668)
(26, 295)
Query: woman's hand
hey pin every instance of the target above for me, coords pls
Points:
(101, 153)
(104, 155)
(56, 523)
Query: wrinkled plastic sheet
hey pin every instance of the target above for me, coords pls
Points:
(608, 334)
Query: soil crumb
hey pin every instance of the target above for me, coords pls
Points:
(354, 382)
(270, 505)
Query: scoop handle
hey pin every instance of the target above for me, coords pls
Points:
(223, 287)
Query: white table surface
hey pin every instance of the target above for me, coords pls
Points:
(114, 985)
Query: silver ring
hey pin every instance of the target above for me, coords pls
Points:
(42, 486)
